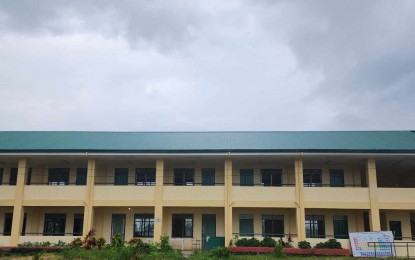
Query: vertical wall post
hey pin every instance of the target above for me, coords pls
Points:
(18, 213)
(228, 200)
(299, 199)
(158, 205)
(89, 197)
(374, 215)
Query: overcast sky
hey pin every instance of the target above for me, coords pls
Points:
(207, 65)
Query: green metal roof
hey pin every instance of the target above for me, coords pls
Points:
(208, 142)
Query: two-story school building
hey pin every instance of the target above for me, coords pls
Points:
(197, 187)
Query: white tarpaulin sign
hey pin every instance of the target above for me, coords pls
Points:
(359, 242)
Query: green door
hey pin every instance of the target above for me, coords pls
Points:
(208, 230)
(118, 224)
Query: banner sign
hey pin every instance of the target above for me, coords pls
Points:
(359, 243)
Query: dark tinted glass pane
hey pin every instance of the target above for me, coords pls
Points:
(78, 224)
(81, 174)
(29, 177)
(336, 178)
(182, 225)
(1, 176)
(145, 176)
(247, 177)
(143, 225)
(178, 178)
(13, 176)
(54, 225)
(395, 227)
(271, 177)
(7, 229)
(58, 176)
(340, 226)
(121, 176)
(246, 225)
(208, 177)
(184, 176)
(312, 177)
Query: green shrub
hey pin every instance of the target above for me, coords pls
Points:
(285, 244)
(35, 244)
(165, 246)
(219, 253)
(241, 242)
(76, 242)
(304, 244)
(279, 251)
(60, 243)
(253, 242)
(117, 240)
(139, 246)
(331, 243)
(268, 242)
(100, 242)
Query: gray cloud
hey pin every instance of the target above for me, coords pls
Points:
(214, 65)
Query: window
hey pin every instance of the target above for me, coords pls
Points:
(29, 177)
(336, 178)
(182, 225)
(145, 176)
(143, 225)
(312, 177)
(314, 226)
(24, 224)
(58, 176)
(341, 227)
(78, 224)
(118, 225)
(81, 175)
(247, 177)
(396, 228)
(366, 222)
(1, 176)
(246, 225)
(208, 176)
(184, 176)
(8, 219)
(54, 225)
(271, 177)
(272, 226)
(121, 176)
(13, 176)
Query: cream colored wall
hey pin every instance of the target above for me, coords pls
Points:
(40, 172)
(287, 171)
(289, 219)
(103, 219)
(353, 217)
(197, 223)
(404, 218)
(36, 217)
(351, 173)
(105, 172)
(3, 211)
(7, 195)
(219, 171)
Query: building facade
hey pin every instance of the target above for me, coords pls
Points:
(198, 187)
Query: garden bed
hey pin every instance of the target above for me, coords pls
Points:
(250, 250)
(317, 251)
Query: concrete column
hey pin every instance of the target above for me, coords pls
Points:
(374, 216)
(89, 197)
(228, 201)
(158, 205)
(299, 199)
(18, 211)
